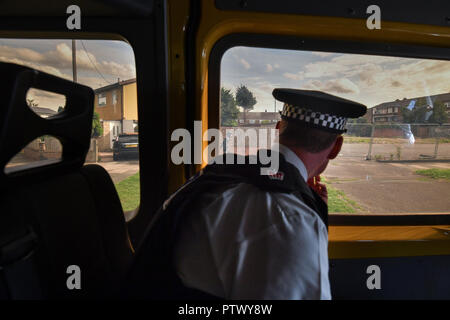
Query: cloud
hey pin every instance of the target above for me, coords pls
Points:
(21, 54)
(359, 59)
(346, 65)
(344, 86)
(368, 79)
(293, 76)
(43, 68)
(369, 73)
(123, 71)
(244, 63)
(46, 99)
(410, 79)
(396, 83)
(322, 54)
(323, 69)
(60, 58)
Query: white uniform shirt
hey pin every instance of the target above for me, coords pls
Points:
(251, 244)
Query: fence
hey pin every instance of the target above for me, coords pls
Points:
(248, 139)
(383, 142)
(45, 149)
(397, 142)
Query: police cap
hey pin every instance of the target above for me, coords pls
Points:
(318, 109)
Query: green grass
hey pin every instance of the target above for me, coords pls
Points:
(351, 139)
(348, 139)
(435, 173)
(129, 192)
(338, 202)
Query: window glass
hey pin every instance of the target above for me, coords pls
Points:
(395, 159)
(101, 99)
(108, 67)
(114, 97)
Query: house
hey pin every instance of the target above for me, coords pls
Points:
(369, 115)
(392, 111)
(43, 112)
(258, 119)
(389, 111)
(116, 105)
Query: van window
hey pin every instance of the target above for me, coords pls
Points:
(108, 67)
(395, 159)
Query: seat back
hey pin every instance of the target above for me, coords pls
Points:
(61, 224)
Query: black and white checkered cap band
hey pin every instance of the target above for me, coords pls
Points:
(320, 119)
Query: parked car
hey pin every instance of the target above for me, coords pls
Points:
(126, 145)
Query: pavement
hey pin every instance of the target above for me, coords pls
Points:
(119, 170)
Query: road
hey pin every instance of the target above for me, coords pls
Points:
(381, 187)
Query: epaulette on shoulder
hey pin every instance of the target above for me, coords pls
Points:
(248, 169)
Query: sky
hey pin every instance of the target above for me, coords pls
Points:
(363, 78)
(367, 79)
(99, 62)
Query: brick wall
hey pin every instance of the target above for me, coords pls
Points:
(110, 111)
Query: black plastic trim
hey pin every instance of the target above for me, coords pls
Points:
(190, 47)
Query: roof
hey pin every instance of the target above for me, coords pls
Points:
(443, 97)
(115, 85)
(259, 115)
(43, 111)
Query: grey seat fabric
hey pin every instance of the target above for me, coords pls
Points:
(78, 220)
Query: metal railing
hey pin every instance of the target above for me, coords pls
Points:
(397, 141)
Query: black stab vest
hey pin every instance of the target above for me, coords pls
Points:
(153, 273)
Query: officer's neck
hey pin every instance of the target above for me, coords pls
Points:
(315, 163)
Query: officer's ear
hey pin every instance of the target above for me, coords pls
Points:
(277, 126)
(336, 148)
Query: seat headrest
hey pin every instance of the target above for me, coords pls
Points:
(19, 125)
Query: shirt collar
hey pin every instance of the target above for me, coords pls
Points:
(293, 159)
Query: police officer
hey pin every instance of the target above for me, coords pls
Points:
(234, 234)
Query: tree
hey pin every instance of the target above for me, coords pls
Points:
(439, 114)
(228, 109)
(245, 99)
(355, 127)
(97, 129)
(416, 115)
(421, 102)
(60, 109)
(31, 103)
